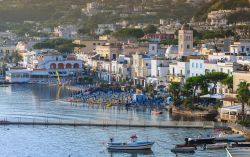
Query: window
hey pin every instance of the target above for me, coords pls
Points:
(200, 65)
(188, 46)
(192, 65)
(197, 65)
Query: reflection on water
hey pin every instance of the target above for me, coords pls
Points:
(42, 101)
(53, 141)
(33, 101)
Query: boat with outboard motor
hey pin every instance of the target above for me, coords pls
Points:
(132, 145)
(200, 140)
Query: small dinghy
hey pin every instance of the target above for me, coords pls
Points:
(183, 150)
(216, 146)
(133, 145)
(156, 112)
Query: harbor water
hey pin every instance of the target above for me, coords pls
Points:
(42, 101)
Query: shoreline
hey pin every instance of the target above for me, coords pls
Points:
(237, 128)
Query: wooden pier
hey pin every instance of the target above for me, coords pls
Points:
(110, 123)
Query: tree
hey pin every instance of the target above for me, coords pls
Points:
(243, 95)
(214, 78)
(16, 57)
(192, 84)
(170, 42)
(129, 33)
(175, 90)
(150, 89)
(60, 44)
(150, 29)
(228, 82)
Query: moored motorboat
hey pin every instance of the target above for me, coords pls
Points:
(238, 139)
(133, 145)
(186, 145)
(216, 146)
(183, 150)
(241, 144)
(229, 138)
(200, 140)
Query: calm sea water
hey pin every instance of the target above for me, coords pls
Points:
(33, 101)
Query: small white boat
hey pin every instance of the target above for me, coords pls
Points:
(216, 146)
(133, 145)
(183, 150)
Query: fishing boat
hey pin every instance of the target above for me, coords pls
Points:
(132, 145)
(183, 150)
(200, 140)
(241, 144)
(216, 146)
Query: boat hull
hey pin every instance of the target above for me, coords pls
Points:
(216, 146)
(130, 146)
(183, 150)
(201, 141)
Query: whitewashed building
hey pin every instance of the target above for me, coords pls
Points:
(240, 47)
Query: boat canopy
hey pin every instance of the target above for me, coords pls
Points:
(213, 96)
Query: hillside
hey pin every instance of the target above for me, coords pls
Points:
(52, 12)
(202, 12)
(49, 13)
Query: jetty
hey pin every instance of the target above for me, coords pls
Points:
(109, 123)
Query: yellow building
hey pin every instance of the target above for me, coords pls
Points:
(108, 52)
(240, 76)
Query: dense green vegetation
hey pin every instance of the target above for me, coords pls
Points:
(170, 42)
(129, 33)
(239, 17)
(201, 14)
(60, 44)
(150, 29)
(190, 87)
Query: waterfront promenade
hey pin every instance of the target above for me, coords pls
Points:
(109, 123)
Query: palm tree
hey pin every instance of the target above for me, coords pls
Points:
(243, 95)
(175, 90)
